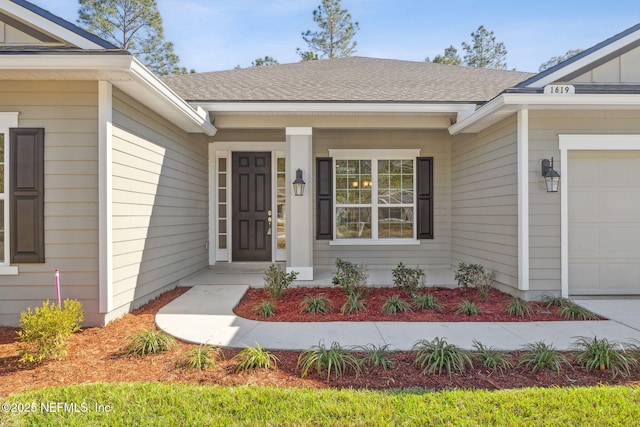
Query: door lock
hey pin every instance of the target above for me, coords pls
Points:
(269, 220)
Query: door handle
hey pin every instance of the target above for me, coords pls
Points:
(269, 221)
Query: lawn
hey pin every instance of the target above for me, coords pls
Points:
(129, 404)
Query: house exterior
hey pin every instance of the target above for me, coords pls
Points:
(129, 183)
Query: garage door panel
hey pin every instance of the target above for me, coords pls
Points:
(604, 222)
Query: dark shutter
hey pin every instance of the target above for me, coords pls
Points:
(324, 198)
(425, 197)
(26, 195)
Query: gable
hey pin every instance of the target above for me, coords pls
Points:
(16, 33)
(623, 69)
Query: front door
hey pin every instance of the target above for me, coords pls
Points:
(251, 203)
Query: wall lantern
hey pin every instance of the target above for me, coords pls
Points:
(298, 184)
(551, 177)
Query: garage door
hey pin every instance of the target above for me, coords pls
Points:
(604, 222)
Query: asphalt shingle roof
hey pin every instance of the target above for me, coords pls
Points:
(354, 79)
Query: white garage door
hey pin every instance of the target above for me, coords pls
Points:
(604, 222)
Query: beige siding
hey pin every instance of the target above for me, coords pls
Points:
(484, 201)
(430, 253)
(544, 208)
(68, 111)
(160, 204)
(623, 69)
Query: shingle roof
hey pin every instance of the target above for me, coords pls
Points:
(348, 79)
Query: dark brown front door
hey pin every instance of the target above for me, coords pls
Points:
(251, 206)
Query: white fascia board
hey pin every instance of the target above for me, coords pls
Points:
(512, 102)
(331, 107)
(77, 62)
(47, 26)
(583, 62)
(197, 115)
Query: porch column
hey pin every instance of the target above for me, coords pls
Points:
(300, 208)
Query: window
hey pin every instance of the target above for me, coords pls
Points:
(374, 194)
(7, 121)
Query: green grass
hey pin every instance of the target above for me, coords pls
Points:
(395, 304)
(318, 304)
(150, 341)
(335, 359)
(468, 307)
(190, 405)
(255, 358)
(428, 302)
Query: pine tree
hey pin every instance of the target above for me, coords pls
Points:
(485, 51)
(335, 37)
(450, 57)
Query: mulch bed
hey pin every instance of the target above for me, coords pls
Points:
(288, 308)
(95, 356)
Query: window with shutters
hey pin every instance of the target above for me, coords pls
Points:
(7, 121)
(374, 195)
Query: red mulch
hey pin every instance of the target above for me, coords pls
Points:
(94, 356)
(288, 307)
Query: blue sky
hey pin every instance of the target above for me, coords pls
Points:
(219, 34)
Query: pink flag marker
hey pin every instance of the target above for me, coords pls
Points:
(58, 287)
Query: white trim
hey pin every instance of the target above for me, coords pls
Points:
(568, 142)
(8, 120)
(249, 146)
(47, 26)
(304, 273)
(374, 154)
(213, 204)
(332, 107)
(300, 131)
(374, 242)
(523, 200)
(105, 177)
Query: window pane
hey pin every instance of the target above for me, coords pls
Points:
(353, 182)
(281, 164)
(353, 223)
(2, 231)
(222, 165)
(395, 223)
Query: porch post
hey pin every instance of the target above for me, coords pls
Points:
(300, 208)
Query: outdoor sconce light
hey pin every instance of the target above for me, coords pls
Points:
(298, 184)
(551, 177)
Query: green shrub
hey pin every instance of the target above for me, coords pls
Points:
(408, 279)
(44, 330)
(468, 307)
(354, 304)
(201, 357)
(151, 341)
(434, 356)
(276, 281)
(255, 358)
(554, 301)
(519, 308)
(600, 354)
(573, 311)
(265, 308)
(335, 360)
(394, 305)
(376, 356)
(318, 304)
(468, 274)
(492, 358)
(540, 355)
(427, 302)
(352, 278)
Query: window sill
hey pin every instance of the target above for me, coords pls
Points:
(370, 242)
(8, 270)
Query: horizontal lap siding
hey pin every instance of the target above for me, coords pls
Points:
(430, 253)
(68, 112)
(544, 208)
(160, 204)
(484, 201)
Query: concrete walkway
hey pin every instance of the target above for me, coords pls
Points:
(204, 315)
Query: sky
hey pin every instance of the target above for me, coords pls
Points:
(211, 35)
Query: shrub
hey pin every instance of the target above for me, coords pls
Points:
(468, 307)
(539, 355)
(519, 308)
(317, 304)
(376, 356)
(265, 308)
(255, 358)
(408, 279)
(355, 304)
(427, 302)
(276, 281)
(573, 311)
(201, 357)
(394, 305)
(492, 358)
(468, 274)
(336, 360)
(44, 330)
(352, 278)
(434, 356)
(151, 341)
(601, 354)
(554, 301)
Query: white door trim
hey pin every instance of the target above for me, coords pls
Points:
(568, 142)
